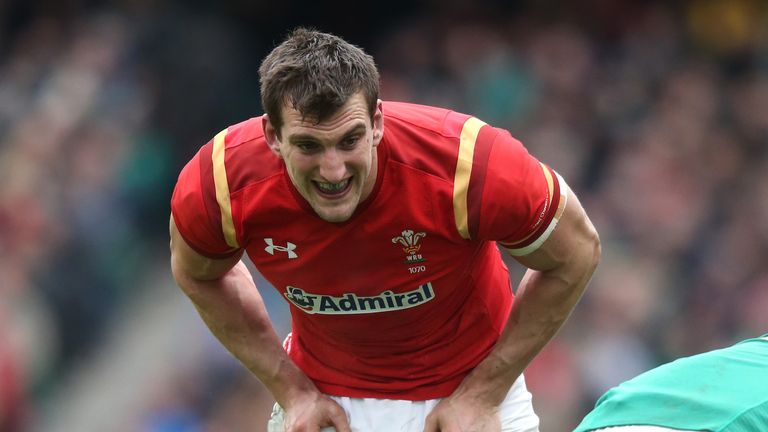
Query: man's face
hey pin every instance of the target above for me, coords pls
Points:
(332, 163)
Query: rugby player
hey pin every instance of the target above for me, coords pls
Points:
(379, 223)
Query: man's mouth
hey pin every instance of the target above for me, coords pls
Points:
(333, 190)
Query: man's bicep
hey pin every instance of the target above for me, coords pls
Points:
(186, 261)
(573, 238)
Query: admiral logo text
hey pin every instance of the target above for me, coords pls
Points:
(351, 303)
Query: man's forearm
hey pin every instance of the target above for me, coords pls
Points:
(558, 273)
(234, 311)
(544, 301)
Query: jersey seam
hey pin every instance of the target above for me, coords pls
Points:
(238, 144)
(251, 183)
(485, 185)
(412, 168)
(424, 128)
(185, 233)
(239, 221)
(741, 414)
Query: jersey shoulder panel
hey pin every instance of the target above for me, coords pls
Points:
(204, 205)
(499, 191)
(427, 138)
(421, 116)
(247, 156)
(195, 208)
(522, 198)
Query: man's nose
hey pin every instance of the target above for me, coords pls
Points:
(332, 166)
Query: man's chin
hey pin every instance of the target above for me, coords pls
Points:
(334, 215)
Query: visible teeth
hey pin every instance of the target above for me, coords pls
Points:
(332, 187)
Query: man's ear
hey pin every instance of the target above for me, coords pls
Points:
(378, 123)
(270, 135)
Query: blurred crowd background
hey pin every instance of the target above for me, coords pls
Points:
(655, 112)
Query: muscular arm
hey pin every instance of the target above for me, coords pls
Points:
(226, 297)
(558, 273)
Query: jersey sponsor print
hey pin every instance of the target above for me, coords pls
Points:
(351, 303)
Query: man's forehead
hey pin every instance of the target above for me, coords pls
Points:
(347, 117)
(311, 130)
(355, 104)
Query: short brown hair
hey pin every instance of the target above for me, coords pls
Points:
(316, 73)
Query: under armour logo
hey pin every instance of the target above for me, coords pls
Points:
(288, 248)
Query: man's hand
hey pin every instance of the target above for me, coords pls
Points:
(314, 412)
(463, 414)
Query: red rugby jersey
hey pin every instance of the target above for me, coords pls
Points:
(406, 297)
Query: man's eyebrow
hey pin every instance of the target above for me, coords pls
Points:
(310, 137)
(301, 137)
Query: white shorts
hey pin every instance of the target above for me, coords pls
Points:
(386, 415)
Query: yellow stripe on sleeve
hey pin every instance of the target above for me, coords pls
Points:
(548, 176)
(467, 139)
(222, 189)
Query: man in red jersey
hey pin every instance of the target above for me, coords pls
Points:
(379, 223)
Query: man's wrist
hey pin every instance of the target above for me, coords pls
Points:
(489, 383)
(297, 397)
(290, 386)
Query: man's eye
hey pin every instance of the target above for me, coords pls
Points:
(350, 142)
(306, 147)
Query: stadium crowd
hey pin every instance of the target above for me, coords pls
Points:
(655, 114)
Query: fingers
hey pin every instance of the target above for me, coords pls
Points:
(430, 424)
(339, 419)
(342, 427)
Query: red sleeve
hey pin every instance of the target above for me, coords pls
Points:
(195, 209)
(521, 198)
